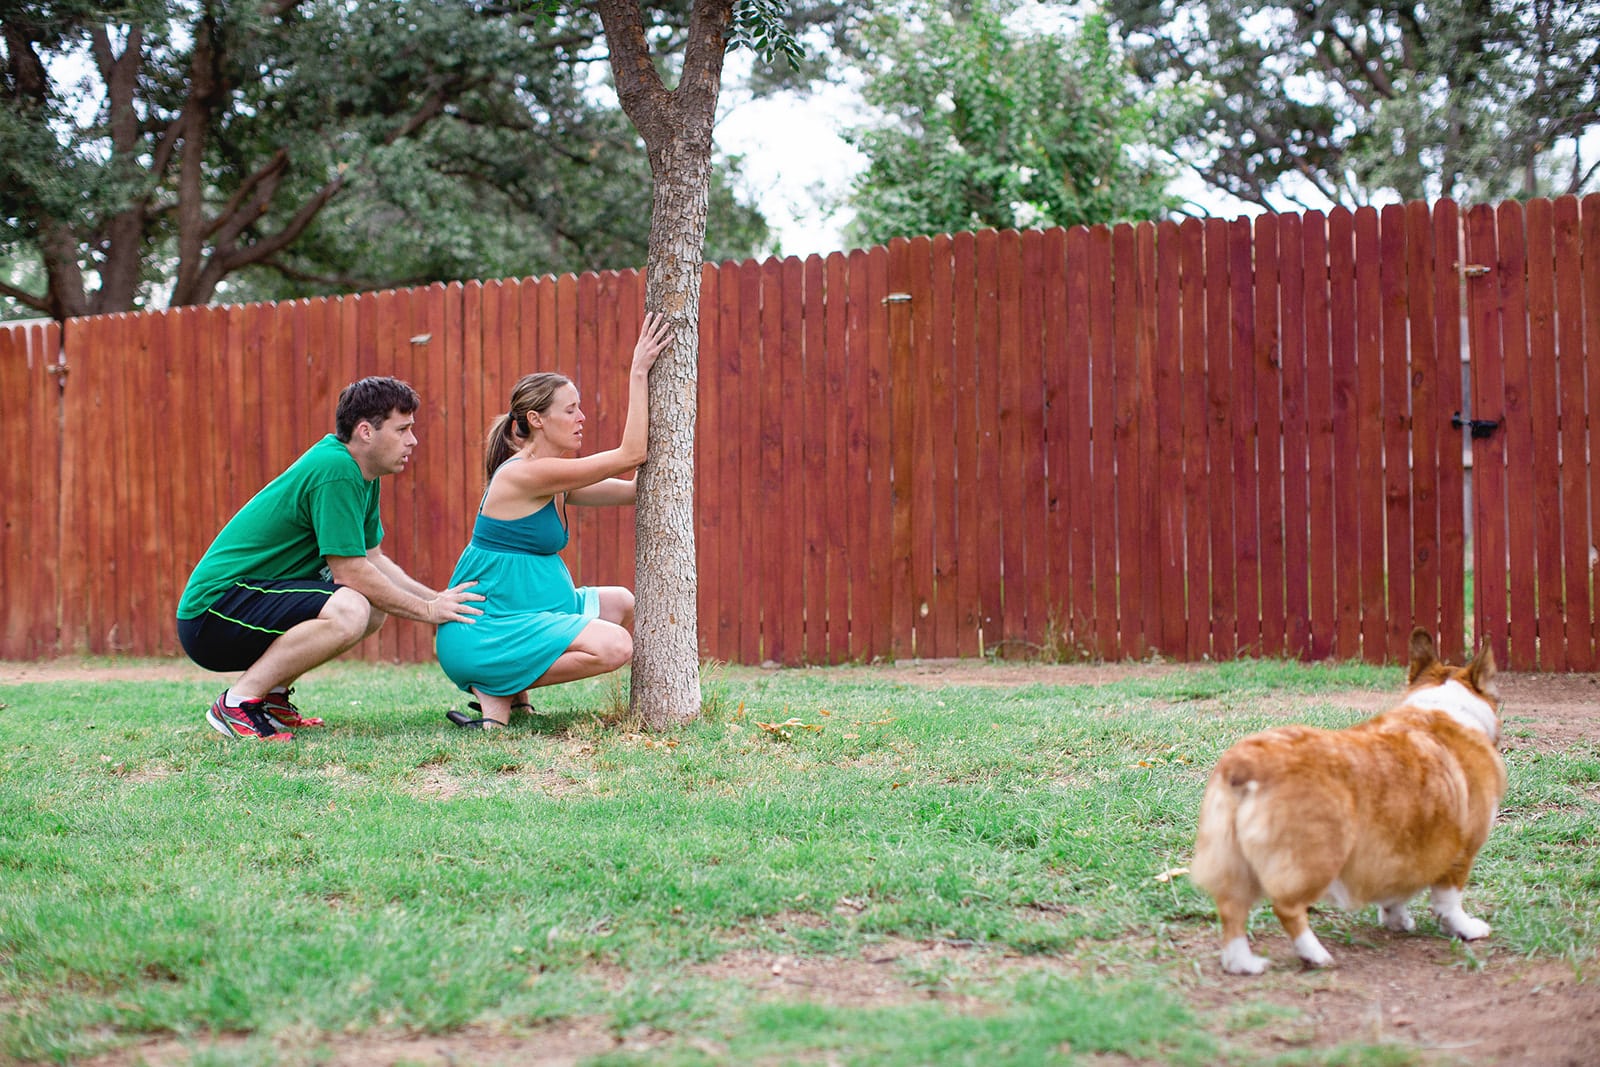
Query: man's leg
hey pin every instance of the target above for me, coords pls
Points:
(273, 632)
(345, 621)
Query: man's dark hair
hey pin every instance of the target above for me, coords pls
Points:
(371, 400)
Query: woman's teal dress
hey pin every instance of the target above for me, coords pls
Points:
(531, 612)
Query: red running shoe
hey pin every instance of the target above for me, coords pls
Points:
(248, 720)
(284, 715)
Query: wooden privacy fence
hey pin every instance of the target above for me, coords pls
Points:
(1207, 439)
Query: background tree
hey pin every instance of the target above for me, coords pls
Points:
(308, 145)
(982, 125)
(1312, 101)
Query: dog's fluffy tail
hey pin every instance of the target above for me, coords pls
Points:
(1219, 865)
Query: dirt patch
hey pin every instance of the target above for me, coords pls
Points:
(1414, 990)
(88, 670)
(1424, 993)
(569, 1042)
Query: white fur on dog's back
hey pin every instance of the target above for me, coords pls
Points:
(1460, 703)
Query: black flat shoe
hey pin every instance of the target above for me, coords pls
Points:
(465, 721)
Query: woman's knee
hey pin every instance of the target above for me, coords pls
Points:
(616, 605)
(613, 647)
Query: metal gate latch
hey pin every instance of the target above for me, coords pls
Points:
(1481, 428)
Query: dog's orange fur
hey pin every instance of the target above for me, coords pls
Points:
(1372, 813)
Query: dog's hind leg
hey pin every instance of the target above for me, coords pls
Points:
(1446, 904)
(1236, 955)
(1292, 914)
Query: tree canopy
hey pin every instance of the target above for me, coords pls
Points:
(1312, 101)
(280, 147)
(981, 125)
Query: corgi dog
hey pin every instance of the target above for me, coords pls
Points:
(1372, 813)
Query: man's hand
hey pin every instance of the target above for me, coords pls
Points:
(454, 605)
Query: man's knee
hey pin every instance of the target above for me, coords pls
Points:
(352, 615)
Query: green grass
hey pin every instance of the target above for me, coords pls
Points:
(394, 874)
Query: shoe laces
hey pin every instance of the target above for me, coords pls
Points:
(256, 712)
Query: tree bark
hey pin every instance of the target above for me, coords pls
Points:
(676, 126)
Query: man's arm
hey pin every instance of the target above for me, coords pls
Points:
(391, 570)
(391, 590)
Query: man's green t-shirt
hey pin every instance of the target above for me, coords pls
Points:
(321, 506)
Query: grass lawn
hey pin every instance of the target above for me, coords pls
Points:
(968, 874)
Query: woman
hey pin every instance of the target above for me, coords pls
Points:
(536, 629)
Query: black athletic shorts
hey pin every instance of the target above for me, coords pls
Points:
(235, 630)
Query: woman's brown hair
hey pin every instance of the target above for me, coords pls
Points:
(508, 432)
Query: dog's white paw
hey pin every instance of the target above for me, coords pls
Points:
(1397, 917)
(1447, 908)
(1311, 950)
(1238, 959)
(1465, 926)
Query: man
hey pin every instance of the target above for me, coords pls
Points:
(296, 577)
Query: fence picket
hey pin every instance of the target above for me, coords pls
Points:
(1343, 468)
(1543, 370)
(1399, 468)
(1167, 423)
(943, 625)
(1220, 436)
(1246, 438)
(1195, 428)
(1080, 501)
(1369, 435)
(1130, 403)
(1517, 432)
(1102, 485)
(1488, 454)
(776, 581)
(20, 383)
(1590, 270)
(1270, 446)
(1295, 411)
(986, 268)
(1447, 313)
(971, 498)
(811, 428)
(1033, 515)
(1426, 429)
(1575, 508)
(830, 504)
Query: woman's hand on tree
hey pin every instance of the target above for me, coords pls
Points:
(654, 336)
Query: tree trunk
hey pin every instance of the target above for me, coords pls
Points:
(676, 126)
(666, 661)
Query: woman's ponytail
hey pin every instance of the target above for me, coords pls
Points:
(510, 431)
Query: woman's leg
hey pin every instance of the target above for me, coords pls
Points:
(600, 648)
(495, 709)
(616, 605)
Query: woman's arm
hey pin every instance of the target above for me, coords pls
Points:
(605, 493)
(547, 476)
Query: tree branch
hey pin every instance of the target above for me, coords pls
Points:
(701, 82)
(644, 98)
(226, 257)
(25, 298)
